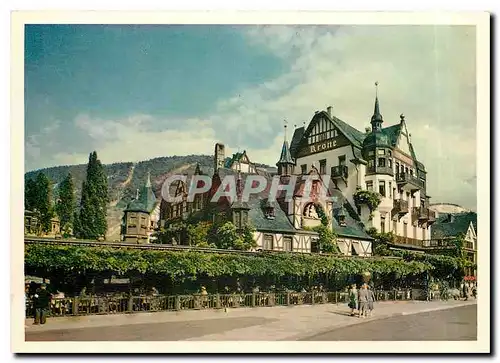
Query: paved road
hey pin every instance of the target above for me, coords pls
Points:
(179, 330)
(452, 324)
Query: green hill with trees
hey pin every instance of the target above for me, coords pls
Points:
(123, 179)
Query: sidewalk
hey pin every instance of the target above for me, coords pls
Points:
(285, 323)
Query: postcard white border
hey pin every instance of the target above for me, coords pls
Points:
(18, 19)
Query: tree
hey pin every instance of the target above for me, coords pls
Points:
(43, 200)
(381, 241)
(226, 236)
(198, 234)
(93, 205)
(327, 239)
(30, 194)
(65, 206)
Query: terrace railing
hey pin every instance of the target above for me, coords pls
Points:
(76, 306)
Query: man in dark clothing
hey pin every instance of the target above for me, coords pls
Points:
(42, 303)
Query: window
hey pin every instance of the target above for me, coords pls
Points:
(381, 187)
(303, 168)
(237, 219)
(424, 233)
(371, 153)
(382, 225)
(342, 160)
(287, 243)
(390, 189)
(413, 201)
(371, 163)
(397, 168)
(414, 231)
(315, 246)
(369, 185)
(389, 153)
(268, 242)
(395, 227)
(405, 229)
(380, 152)
(322, 167)
(406, 170)
(381, 162)
(270, 214)
(422, 202)
(389, 163)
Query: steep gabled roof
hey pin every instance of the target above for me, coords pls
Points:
(392, 133)
(355, 136)
(353, 227)
(459, 223)
(257, 203)
(297, 136)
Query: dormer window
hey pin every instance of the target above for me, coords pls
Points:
(270, 212)
(341, 218)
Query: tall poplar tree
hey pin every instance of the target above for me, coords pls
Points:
(65, 206)
(93, 206)
(42, 200)
(30, 194)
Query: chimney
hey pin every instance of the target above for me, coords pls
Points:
(329, 110)
(450, 218)
(219, 156)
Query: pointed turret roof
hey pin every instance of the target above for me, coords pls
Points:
(376, 112)
(146, 200)
(286, 156)
(377, 117)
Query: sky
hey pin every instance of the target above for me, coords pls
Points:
(137, 92)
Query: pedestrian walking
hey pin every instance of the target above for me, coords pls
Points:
(41, 302)
(353, 298)
(371, 299)
(362, 300)
(469, 291)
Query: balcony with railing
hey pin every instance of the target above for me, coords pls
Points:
(376, 169)
(424, 215)
(409, 182)
(438, 243)
(339, 171)
(400, 207)
(407, 241)
(432, 217)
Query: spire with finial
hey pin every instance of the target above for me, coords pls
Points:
(285, 163)
(377, 117)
